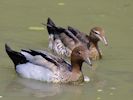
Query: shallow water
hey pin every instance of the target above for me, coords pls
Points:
(20, 27)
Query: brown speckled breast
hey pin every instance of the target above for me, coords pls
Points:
(69, 78)
(94, 55)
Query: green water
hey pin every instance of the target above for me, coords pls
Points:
(113, 77)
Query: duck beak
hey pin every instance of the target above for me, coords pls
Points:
(88, 61)
(103, 39)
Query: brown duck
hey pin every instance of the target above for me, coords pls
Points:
(61, 40)
(43, 66)
(96, 34)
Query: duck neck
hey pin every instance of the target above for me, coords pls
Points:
(94, 43)
(93, 40)
(76, 66)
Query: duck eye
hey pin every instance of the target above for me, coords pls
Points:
(97, 32)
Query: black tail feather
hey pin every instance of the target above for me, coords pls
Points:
(55, 31)
(52, 28)
(16, 57)
(50, 22)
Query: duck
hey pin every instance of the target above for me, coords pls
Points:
(43, 66)
(96, 34)
(61, 40)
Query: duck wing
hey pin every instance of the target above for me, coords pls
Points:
(61, 40)
(60, 60)
(83, 37)
(43, 58)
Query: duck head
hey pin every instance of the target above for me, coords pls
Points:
(98, 34)
(80, 55)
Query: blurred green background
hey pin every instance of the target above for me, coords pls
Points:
(20, 27)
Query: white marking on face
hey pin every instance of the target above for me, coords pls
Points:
(97, 32)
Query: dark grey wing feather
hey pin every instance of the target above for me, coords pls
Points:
(60, 61)
(80, 35)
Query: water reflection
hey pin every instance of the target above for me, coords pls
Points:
(40, 89)
(33, 87)
(96, 82)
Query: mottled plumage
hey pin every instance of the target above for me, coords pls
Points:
(96, 35)
(61, 40)
(43, 66)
